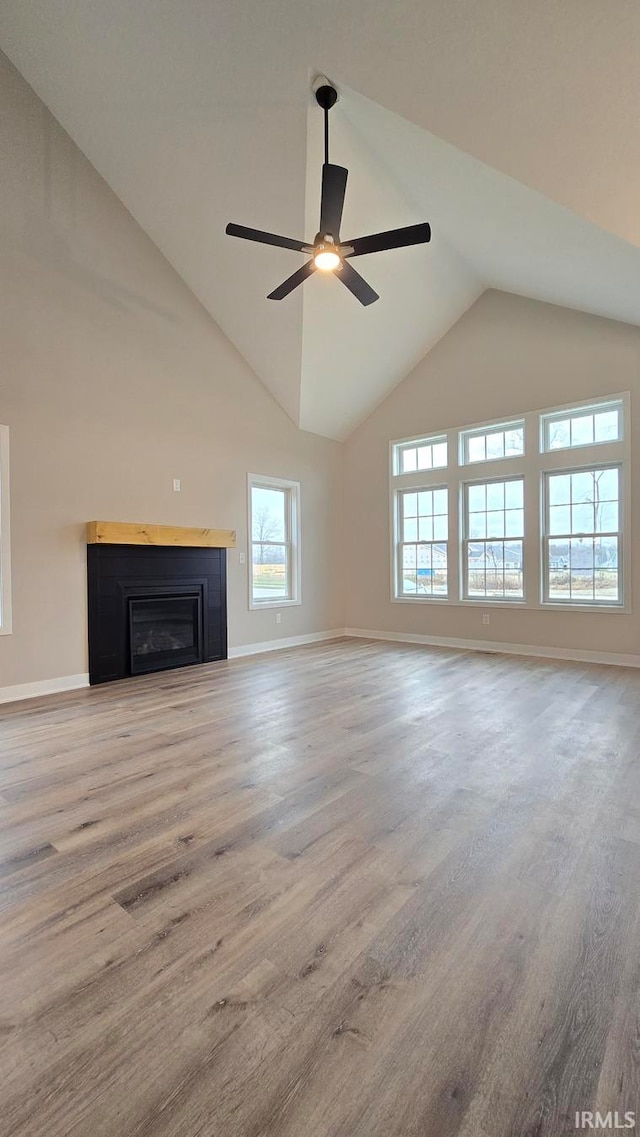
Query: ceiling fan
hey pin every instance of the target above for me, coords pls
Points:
(328, 253)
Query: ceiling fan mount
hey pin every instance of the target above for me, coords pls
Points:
(326, 94)
(328, 253)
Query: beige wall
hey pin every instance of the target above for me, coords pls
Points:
(113, 380)
(507, 355)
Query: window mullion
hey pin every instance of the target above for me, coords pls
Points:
(531, 560)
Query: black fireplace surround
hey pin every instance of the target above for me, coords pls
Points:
(154, 607)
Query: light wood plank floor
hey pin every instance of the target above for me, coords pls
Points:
(351, 890)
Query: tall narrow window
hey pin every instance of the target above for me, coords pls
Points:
(273, 529)
(582, 542)
(493, 539)
(422, 543)
(5, 555)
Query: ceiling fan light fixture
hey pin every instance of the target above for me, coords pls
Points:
(326, 258)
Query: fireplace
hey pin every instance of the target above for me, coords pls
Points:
(154, 607)
(164, 631)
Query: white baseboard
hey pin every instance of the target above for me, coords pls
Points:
(574, 654)
(42, 687)
(285, 642)
(616, 659)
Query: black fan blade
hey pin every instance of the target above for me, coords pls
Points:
(264, 238)
(292, 282)
(356, 284)
(392, 239)
(334, 186)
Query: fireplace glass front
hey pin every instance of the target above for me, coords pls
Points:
(164, 631)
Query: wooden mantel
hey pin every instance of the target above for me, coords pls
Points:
(127, 533)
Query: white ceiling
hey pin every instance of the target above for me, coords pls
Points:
(198, 112)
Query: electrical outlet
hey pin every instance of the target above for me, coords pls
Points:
(485, 617)
(278, 617)
(241, 558)
(176, 485)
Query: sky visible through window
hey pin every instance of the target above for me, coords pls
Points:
(585, 429)
(270, 549)
(492, 445)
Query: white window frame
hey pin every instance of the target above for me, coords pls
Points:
(493, 428)
(608, 605)
(575, 410)
(292, 541)
(6, 625)
(466, 540)
(400, 543)
(418, 444)
(533, 465)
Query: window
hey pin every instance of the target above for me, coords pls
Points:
(471, 505)
(493, 544)
(422, 542)
(582, 541)
(490, 444)
(275, 548)
(585, 426)
(5, 554)
(422, 454)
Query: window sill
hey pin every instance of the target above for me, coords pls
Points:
(491, 602)
(422, 600)
(519, 605)
(562, 606)
(462, 603)
(256, 605)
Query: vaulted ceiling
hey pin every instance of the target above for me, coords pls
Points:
(513, 128)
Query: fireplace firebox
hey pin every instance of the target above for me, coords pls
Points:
(164, 631)
(153, 608)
